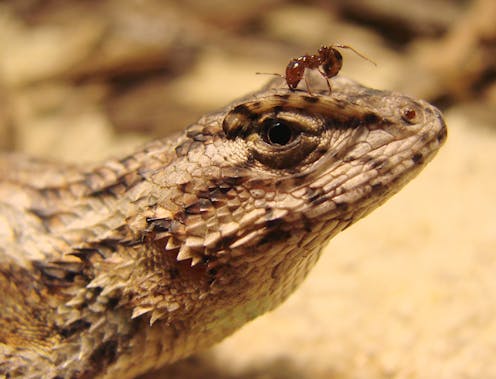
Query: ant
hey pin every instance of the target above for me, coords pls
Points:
(328, 61)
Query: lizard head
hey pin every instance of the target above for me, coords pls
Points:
(266, 182)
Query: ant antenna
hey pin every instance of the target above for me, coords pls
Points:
(356, 52)
(270, 73)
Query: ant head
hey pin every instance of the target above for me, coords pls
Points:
(331, 60)
(329, 53)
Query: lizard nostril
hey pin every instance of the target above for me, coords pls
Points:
(409, 114)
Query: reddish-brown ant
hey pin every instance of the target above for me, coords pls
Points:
(328, 61)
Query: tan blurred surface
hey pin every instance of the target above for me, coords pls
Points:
(408, 292)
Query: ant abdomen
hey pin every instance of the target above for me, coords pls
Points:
(294, 73)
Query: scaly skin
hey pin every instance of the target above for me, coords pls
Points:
(111, 271)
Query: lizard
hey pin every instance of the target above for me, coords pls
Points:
(117, 268)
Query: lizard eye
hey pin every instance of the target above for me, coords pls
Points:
(277, 132)
(279, 139)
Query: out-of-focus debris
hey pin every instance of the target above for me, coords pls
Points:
(462, 63)
(232, 16)
(99, 40)
(402, 21)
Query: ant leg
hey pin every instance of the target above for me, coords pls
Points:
(326, 79)
(307, 85)
(328, 85)
(276, 74)
(356, 52)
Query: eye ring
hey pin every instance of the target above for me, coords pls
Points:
(277, 132)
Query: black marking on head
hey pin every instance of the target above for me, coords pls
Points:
(315, 195)
(418, 158)
(353, 122)
(322, 150)
(343, 207)
(319, 200)
(284, 97)
(307, 223)
(242, 109)
(378, 163)
(277, 109)
(441, 136)
(275, 235)
(378, 187)
(311, 99)
(371, 118)
(349, 123)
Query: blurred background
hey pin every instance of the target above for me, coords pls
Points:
(409, 292)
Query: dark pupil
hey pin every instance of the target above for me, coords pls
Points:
(278, 132)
